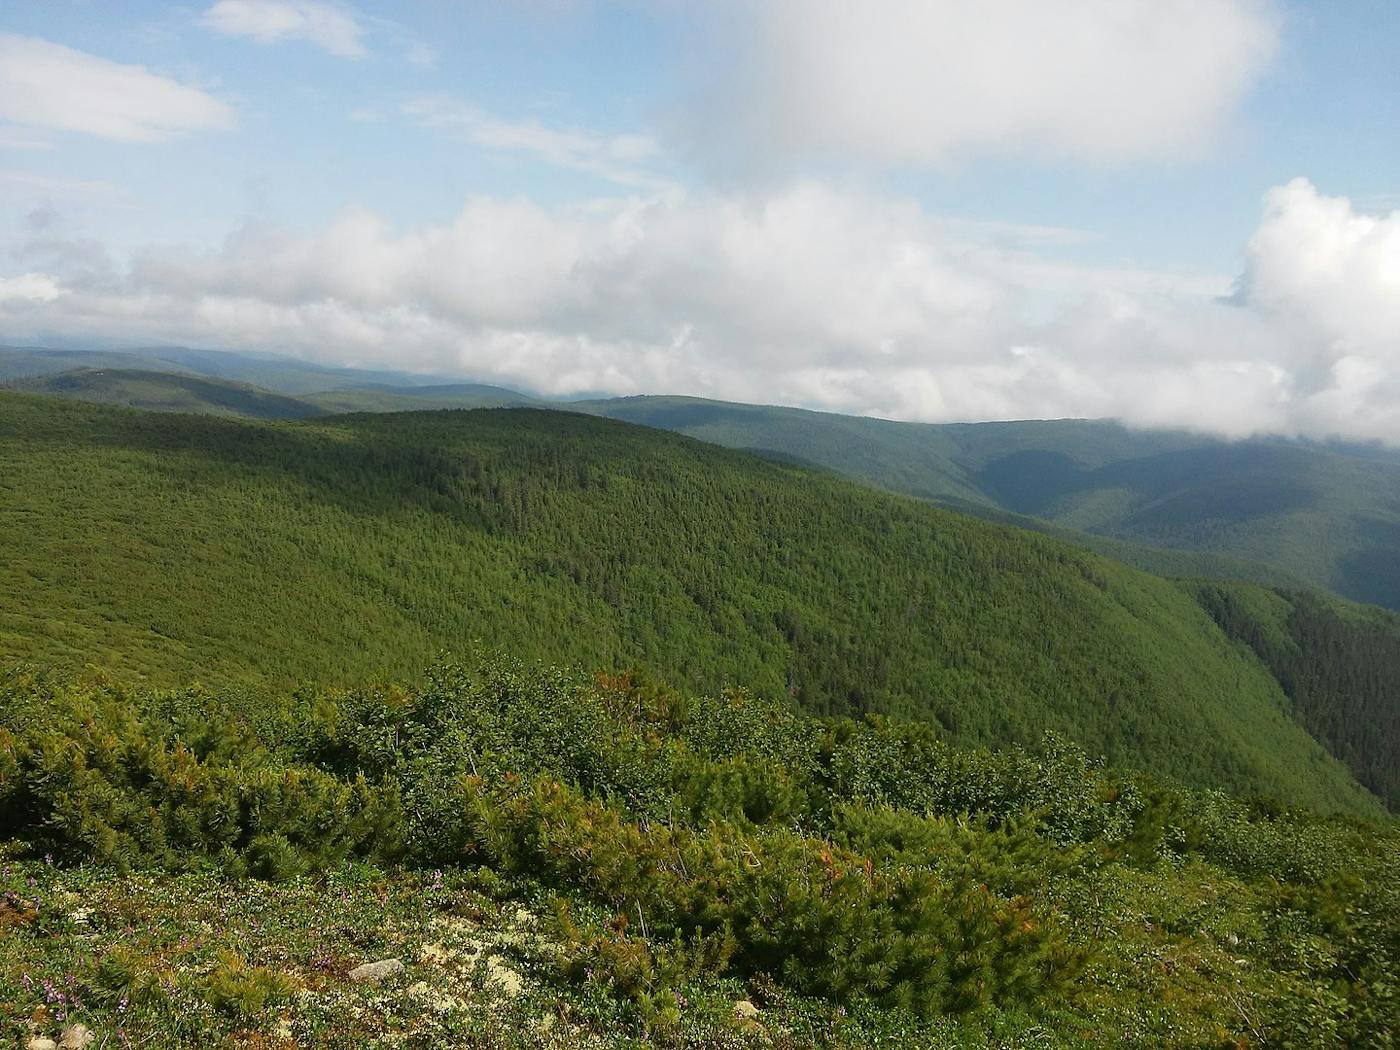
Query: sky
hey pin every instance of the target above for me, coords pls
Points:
(1170, 212)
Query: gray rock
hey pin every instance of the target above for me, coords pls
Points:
(375, 972)
(76, 1037)
(40, 1042)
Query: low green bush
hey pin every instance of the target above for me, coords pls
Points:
(862, 861)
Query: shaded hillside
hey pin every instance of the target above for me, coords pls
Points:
(168, 392)
(912, 458)
(285, 375)
(1330, 515)
(1325, 514)
(1338, 663)
(1160, 561)
(175, 547)
(18, 362)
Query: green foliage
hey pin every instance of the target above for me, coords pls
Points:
(634, 968)
(244, 991)
(172, 548)
(85, 776)
(851, 861)
(825, 920)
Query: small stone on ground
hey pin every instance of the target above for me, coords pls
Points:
(374, 972)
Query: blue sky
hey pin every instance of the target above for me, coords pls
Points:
(935, 211)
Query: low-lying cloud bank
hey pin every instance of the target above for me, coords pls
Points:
(811, 296)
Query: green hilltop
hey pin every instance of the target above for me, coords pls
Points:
(170, 548)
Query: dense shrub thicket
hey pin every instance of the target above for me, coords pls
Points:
(854, 859)
(180, 548)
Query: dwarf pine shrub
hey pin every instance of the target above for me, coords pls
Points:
(852, 859)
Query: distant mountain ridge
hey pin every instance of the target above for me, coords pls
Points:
(380, 398)
(168, 392)
(277, 374)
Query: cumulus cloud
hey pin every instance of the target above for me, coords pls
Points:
(50, 86)
(1330, 277)
(327, 26)
(812, 295)
(915, 82)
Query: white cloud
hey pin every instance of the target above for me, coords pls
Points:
(50, 86)
(327, 26)
(29, 287)
(811, 295)
(915, 82)
(1316, 261)
(1330, 276)
(618, 158)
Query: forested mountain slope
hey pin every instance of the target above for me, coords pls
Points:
(1268, 511)
(1326, 514)
(1339, 663)
(177, 547)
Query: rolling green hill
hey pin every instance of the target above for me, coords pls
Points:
(171, 547)
(168, 392)
(1325, 514)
